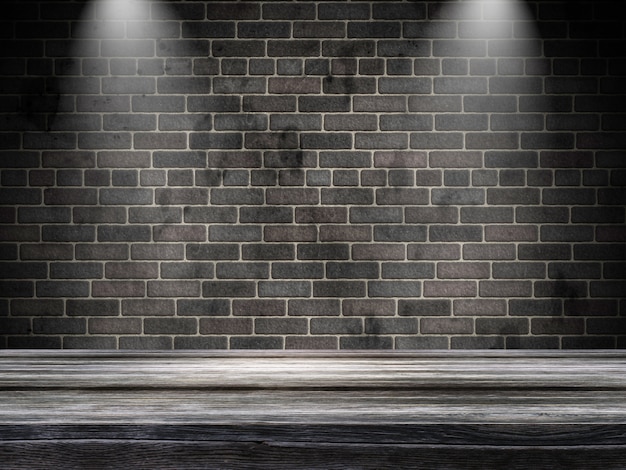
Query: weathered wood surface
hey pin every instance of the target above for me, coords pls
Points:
(313, 410)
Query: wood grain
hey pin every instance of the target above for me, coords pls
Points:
(312, 410)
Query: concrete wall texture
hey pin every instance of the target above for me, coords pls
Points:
(312, 174)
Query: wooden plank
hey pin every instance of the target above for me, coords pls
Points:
(163, 455)
(313, 410)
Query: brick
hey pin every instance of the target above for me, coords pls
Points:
(238, 85)
(603, 252)
(38, 307)
(146, 342)
(14, 289)
(352, 270)
(405, 289)
(345, 159)
(62, 289)
(228, 289)
(68, 233)
(577, 270)
(281, 326)
(314, 307)
(340, 10)
(560, 326)
(161, 325)
(446, 326)
(197, 342)
(449, 289)
(179, 233)
(525, 196)
(463, 270)
(504, 233)
(420, 215)
(339, 289)
(293, 48)
(394, 233)
(366, 342)
(438, 140)
(311, 342)
(118, 196)
(572, 196)
(505, 288)
(519, 270)
(55, 196)
(494, 140)
(480, 307)
(125, 233)
(555, 233)
(53, 326)
(154, 215)
(593, 307)
(202, 307)
(132, 270)
(23, 270)
(148, 307)
(391, 326)
(233, 270)
(238, 48)
(268, 252)
(118, 289)
(257, 342)
(62, 270)
(455, 233)
(486, 215)
(492, 251)
(408, 270)
(502, 326)
(28, 215)
(226, 326)
(378, 141)
(160, 140)
(173, 289)
(298, 270)
(383, 104)
(458, 196)
(284, 289)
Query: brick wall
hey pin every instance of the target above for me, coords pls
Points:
(312, 175)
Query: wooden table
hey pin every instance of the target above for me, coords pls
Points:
(324, 410)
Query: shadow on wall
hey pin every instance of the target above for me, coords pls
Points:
(312, 175)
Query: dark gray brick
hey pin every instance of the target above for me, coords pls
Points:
(314, 307)
(232, 233)
(404, 48)
(173, 288)
(486, 215)
(63, 270)
(406, 233)
(233, 270)
(366, 342)
(68, 233)
(293, 48)
(211, 307)
(498, 196)
(492, 251)
(62, 289)
(187, 270)
(228, 326)
(134, 196)
(256, 342)
(339, 289)
(505, 288)
(284, 289)
(464, 233)
(281, 326)
(458, 196)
